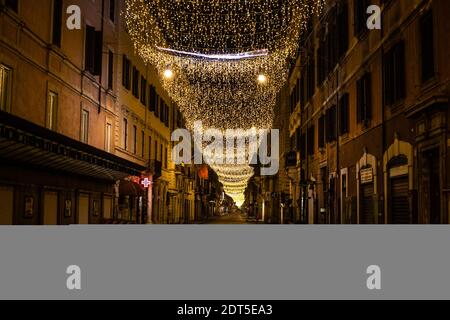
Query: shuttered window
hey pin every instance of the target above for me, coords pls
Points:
(311, 140)
(153, 99)
(110, 69)
(136, 78)
(330, 125)
(427, 46)
(364, 98)
(93, 51)
(57, 22)
(394, 74)
(126, 73)
(321, 135)
(344, 115)
(12, 4)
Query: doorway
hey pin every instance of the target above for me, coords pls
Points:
(431, 186)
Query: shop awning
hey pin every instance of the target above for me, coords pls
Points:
(26, 143)
(129, 188)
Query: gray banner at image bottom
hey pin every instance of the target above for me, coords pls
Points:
(225, 263)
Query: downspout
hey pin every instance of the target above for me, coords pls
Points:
(337, 185)
(102, 28)
(383, 126)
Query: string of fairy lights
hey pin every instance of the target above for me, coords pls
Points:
(222, 62)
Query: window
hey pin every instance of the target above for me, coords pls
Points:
(364, 99)
(394, 74)
(52, 111)
(324, 180)
(93, 51)
(143, 144)
(12, 4)
(330, 125)
(153, 99)
(125, 134)
(149, 147)
(161, 153)
(84, 126)
(108, 136)
(156, 150)
(136, 76)
(126, 73)
(311, 140)
(302, 146)
(311, 77)
(5, 88)
(342, 28)
(143, 91)
(295, 96)
(112, 10)
(344, 115)
(110, 69)
(427, 46)
(166, 164)
(344, 186)
(134, 139)
(361, 16)
(321, 135)
(159, 101)
(166, 115)
(57, 22)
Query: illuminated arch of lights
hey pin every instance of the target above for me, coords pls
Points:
(222, 62)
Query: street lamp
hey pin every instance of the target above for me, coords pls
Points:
(168, 73)
(262, 79)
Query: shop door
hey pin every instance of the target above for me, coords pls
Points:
(431, 186)
(366, 209)
(400, 213)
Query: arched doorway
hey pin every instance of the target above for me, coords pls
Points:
(366, 176)
(398, 182)
(398, 191)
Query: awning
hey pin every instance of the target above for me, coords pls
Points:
(26, 143)
(129, 188)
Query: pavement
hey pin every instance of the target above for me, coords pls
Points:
(236, 218)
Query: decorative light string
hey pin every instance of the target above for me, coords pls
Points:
(222, 62)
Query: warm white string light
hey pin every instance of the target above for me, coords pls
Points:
(222, 62)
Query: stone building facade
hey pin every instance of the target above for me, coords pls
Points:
(85, 125)
(369, 119)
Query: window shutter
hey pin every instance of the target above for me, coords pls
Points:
(110, 69)
(368, 97)
(124, 71)
(89, 49)
(359, 100)
(344, 114)
(321, 135)
(98, 50)
(57, 22)
(427, 47)
(387, 79)
(400, 70)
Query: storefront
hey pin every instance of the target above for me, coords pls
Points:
(398, 182)
(366, 178)
(47, 178)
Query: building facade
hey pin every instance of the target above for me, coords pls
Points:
(85, 124)
(369, 119)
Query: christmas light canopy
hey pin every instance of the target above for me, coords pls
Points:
(222, 62)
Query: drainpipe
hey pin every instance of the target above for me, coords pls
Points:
(337, 184)
(102, 28)
(383, 145)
